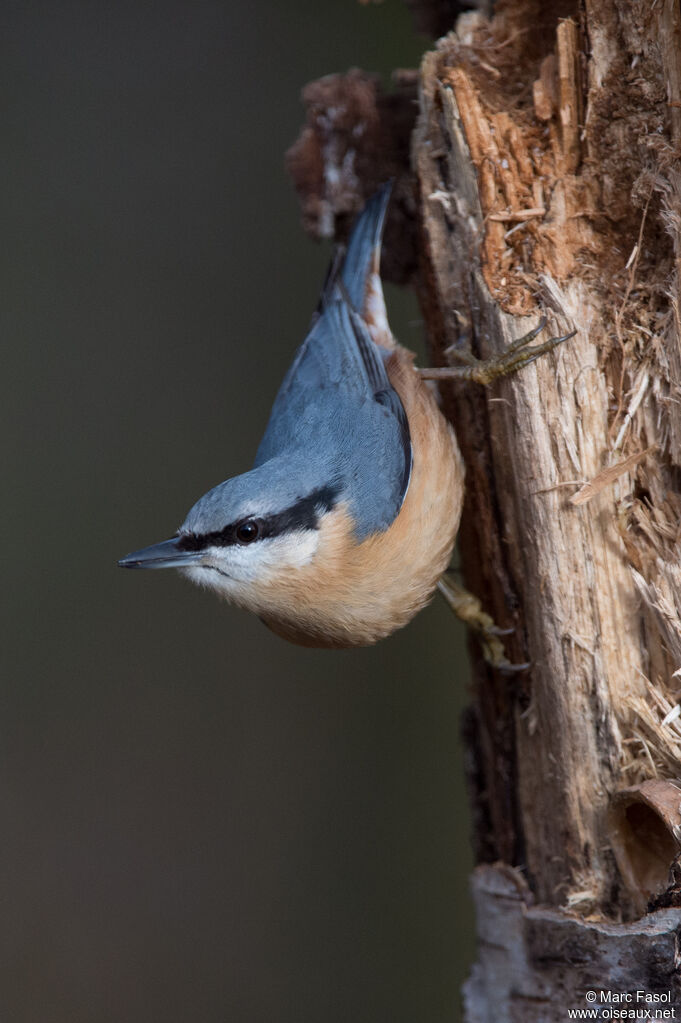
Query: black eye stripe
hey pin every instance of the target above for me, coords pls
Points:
(304, 514)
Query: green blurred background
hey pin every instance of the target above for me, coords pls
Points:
(199, 821)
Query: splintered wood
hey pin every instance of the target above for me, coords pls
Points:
(546, 155)
(607, 477)
(547, 174)
(531, 201)
(569, 94)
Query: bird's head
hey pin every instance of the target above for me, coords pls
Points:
(249, 531)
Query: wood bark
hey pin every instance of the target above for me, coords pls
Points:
(545, 165)
(512, 184)
(535, 963)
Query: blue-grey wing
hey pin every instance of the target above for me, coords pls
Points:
(337, 364)
(337, 401)
(338, 354)
(364, 247)
(337, 404)
(362, 257)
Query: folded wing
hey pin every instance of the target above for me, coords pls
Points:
(337, 398)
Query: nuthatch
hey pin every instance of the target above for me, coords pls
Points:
(341, 531)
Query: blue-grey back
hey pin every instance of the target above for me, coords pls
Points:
(336, 404)
(328, 415)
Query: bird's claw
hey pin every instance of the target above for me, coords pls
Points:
(469, 609)
(486, 371)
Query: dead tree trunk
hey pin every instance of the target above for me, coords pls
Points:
(545, 162)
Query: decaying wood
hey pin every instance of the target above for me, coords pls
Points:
(645, 830)
(546, 164)
(356, 137)
(593, 587)
(535, 964)
(490, 144)
(565, 568)
(607, 477)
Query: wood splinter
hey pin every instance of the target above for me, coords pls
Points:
(518, 215)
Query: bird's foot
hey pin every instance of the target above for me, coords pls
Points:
(484, 371)
(469, 609)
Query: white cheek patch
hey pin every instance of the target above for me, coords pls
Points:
(237, 570)
(203, 576)
(256, 561)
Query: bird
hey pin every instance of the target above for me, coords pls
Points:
(341, 531)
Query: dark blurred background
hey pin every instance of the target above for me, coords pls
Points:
(199, 821)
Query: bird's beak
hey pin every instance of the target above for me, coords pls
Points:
(167, 554)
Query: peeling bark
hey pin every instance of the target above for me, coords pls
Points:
(535, 963)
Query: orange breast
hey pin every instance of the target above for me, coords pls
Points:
(355, 594)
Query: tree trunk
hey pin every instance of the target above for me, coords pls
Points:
(546, 173)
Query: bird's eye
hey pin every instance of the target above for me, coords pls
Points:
(248, 531)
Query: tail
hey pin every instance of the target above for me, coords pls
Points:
(363, 255)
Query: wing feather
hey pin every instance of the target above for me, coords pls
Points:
(339, 378)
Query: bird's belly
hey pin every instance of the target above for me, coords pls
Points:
(355, 594)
